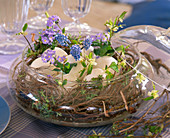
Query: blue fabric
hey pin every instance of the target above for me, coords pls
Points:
(155, 13)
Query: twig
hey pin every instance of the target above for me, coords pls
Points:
(143, 115)
(124, 100)
(104, 108)
(28, 42)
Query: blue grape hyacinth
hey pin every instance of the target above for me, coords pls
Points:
(87, 43)
(75, 52)
(62, 40)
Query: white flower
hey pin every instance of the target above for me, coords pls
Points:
(92, 62)
(140, 78)
(153, 93)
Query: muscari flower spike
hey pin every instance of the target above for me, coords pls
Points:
(62, 39)
(75, 52)
(87, 43)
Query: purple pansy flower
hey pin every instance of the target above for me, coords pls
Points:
(52, 60)
(99, 36)
(48, 32)
(48, 56)
(93, 37)
(56, 29)
(49, 76)
(75, 52)
(44, 40)
(61, 59)
(49, 23)
(55, 18)
(44, 59)
(102, 37)
(50, 52)
(51, 38)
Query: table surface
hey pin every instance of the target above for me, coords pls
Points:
(26, 126)
(100, 12)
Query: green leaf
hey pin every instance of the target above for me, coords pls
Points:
(56, 69)
(47, 15)
(153, 85)
(90, 55)
(67, 65)
(60, 65)
(115, 22)
(102, 50)
(64, 82)
(122, 15)
(83, 64)
(109, 76)
(89, 70)
(74, 41)
(29, 50)
(82, 72)
(63, 30)
(114, 66)
(25, 27)
(148, 98)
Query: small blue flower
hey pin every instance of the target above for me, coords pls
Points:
(87, 43)
(62, 39)
(75, 52)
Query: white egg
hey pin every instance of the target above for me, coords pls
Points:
(39, 63)
(70, 77)
(87, 52)
(42, 67)
(71, 59)
(103, 61)
(75, 71)
(95, 73)
(71, 80)
(60, 52)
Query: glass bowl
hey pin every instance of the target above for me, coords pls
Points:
(82, 104)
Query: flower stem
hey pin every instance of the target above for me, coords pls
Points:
(28, 42)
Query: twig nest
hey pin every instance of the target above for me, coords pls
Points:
(103, 61)
(95, 73)
(42, 67)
